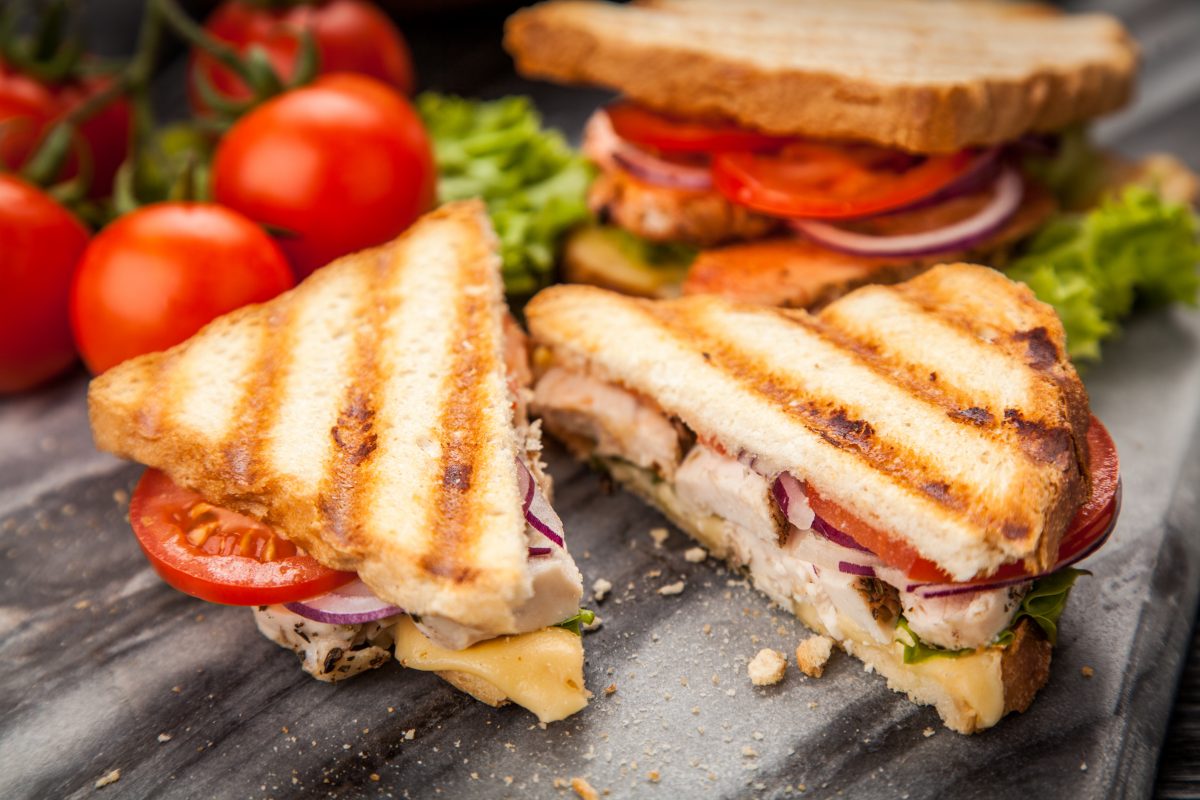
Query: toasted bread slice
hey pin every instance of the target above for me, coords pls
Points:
(917, 75)
(365, 414)
(942, 411)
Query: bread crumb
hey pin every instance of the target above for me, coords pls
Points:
(600, 589)
(82, 604)
(1087, 672)
(767, 668)
(653, 776)
(164, 737)
(1083, 766)
(410, 734)
(375, 776)
(812, 654)
(610, 689)
(659, 535)
(109, 777)
(749, 752)
(671, 588)
(928, 732)
(695, 555)
(561, 783)
(120, 497)
(707, 629)
(584, 789)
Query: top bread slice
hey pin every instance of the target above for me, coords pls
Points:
(365, 414)
(941, 411)
(917, 75)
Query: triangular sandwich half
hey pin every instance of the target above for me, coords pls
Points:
(911, 471)
(375, 417)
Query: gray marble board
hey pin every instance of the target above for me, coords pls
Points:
(104, 667)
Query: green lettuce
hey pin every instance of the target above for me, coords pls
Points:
(1044, 604)
(1093, 267)
(576, 623)
(533, 182)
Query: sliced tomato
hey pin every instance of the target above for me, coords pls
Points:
(1092, 523)
(667, 134)
(217, 555)
(829, 181)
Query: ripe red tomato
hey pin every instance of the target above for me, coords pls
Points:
(217, 555)
(351, 36)
(828, 181)
(28, 108)
(340, 165)
(40, 244)
(156, 276)
(1091, 525)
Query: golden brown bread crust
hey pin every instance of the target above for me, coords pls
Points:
(924, 77)
(365, 414)
(942, 410)
(797, 273)
(1025, 666)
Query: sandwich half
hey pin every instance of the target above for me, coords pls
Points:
(912, 471)
(354, 460)
(785, 152)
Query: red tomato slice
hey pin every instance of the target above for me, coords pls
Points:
(647, 128)
(827, 181)
(217, 555)
(1092, 523)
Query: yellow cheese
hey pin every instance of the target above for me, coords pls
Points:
(541, 671)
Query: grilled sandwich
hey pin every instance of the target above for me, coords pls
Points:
(808, 148)
(375, 419)
(911, 470)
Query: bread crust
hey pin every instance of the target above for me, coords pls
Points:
(919, 76)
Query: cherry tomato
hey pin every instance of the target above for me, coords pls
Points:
(351, 36)
(40, 244)
(667, 134)
(339, 165)
(156, 276)
(217, 555)
(28, 108)
(805, 179)
(1092, 523)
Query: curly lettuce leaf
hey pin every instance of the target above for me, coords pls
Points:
(1044, 604)
(916, 650)
(533, 182)
(1093, 267)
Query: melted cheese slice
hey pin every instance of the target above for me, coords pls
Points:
(541, 671)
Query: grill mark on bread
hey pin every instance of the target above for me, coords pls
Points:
(354, 437)
(826, 417)
(242, 450)
(454, 513)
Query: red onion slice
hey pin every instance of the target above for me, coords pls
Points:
(789, 494)
(856, 569)
(538, 512)
(535, 552)
(1006, 199)
(652, 169)
(351, 604)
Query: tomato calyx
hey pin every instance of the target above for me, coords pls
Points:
(1087, 532)
(220, 556)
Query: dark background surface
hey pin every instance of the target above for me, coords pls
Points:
(94, 648)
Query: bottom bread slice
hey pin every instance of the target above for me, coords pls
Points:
(970, 693)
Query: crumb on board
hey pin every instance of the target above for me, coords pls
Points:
(659, 535)
(410, 734)
(610, 689)
(812, 655)
(695, 555)
(600, 589)
(120, 497)
(928, 732)
(653, 776)
(164, 737)
(1087, 672)
(375, 776)
(82, 604)
(112, 776)
(584, 789)
(671, 588)
(767, 667)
